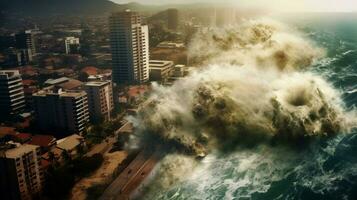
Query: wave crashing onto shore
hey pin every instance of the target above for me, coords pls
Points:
(251, 85)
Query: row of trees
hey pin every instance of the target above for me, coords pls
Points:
(97, 133)
(60, 180)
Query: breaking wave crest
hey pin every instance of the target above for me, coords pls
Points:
(251, 86)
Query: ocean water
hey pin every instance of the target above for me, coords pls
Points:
(323, 169)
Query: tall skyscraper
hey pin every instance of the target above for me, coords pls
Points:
(100, 100)
(25, 41)
(21, 174)
(64, 112)
(172, 19)
(129, 41)
(12, 97)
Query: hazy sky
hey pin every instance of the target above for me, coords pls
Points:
(279, 5)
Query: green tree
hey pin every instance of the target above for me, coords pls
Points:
(80, 150)
(66, 156)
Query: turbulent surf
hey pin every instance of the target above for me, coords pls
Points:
(252, 104)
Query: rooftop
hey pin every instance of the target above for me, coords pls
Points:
(70, 84)
(50, 91)
(97, 83)
(57, 81)
(160, 63)
(22, 136)
(70, 142)
(20, 150)
(42, 140)
(127, 128)
(5, 130)
(28, 82)
(137, 90)
(9, 73)
(90, 70)
(180, 66)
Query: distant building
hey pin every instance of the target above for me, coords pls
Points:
(171, 45)
(179, 71)
(94, 74)
(160, 70)
(100, 100)
(72, 45)
(6, 42)
(12, 97)
(172, 19)
(100, 77)
(133, 95)
(25, 42)
(21, 175)
(90, 70)
(71, 144)
(30, 87)
(12, 57)
(60, 111)
(129, 41)
(26, 56)
(17, 57)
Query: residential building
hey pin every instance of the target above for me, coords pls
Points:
(21, 174)
(100, 100)
(72, 45)
(172, 19)
(129, 41)
(60, 111)
(12, 97)
(160, 70)
(179, 71)
(71, 144)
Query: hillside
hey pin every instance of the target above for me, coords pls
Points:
(60, 7)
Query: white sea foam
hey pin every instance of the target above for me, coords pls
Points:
(251, 85)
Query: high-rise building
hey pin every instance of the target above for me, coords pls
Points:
(13, 57)
(25, 41)
(72, 45)
(100, 100)
(6, 42)
(26, 57)
(12, 97)
(21, 174)
(129, 41)
(63, 112)
(172, 19)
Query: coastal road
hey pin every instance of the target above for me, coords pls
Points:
(131, 177)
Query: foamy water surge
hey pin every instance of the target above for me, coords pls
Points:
(252, 86)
